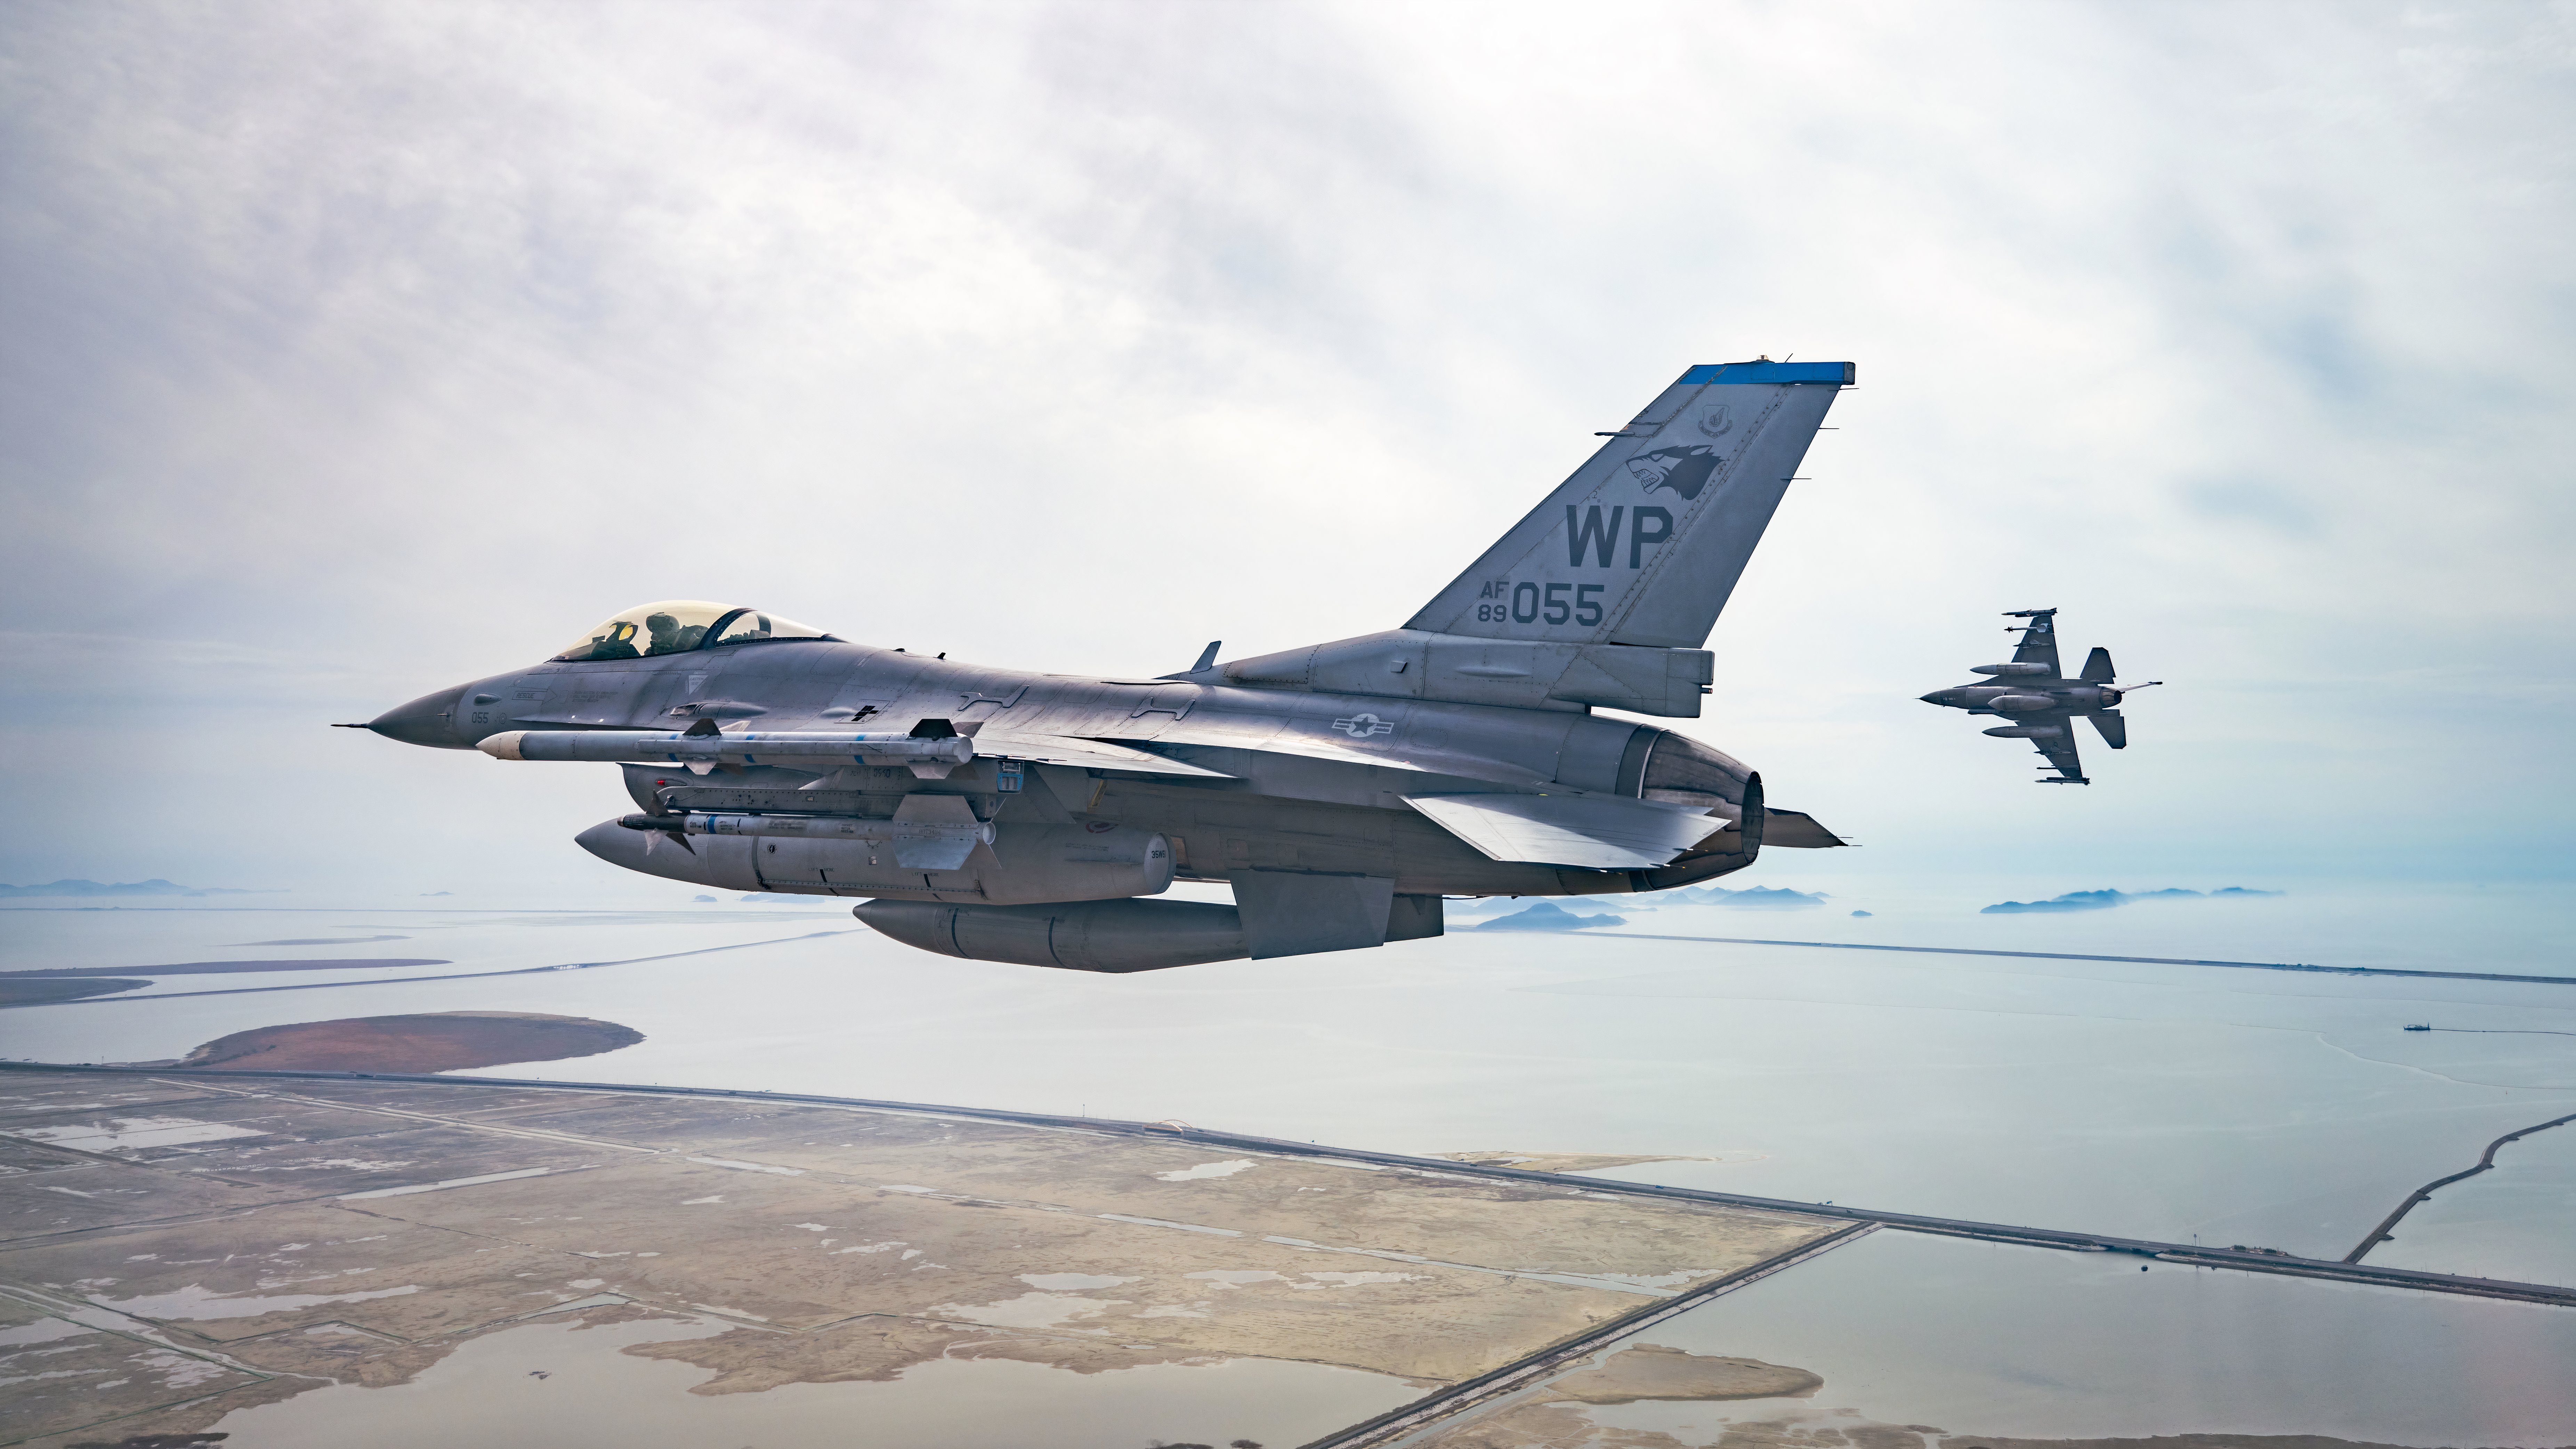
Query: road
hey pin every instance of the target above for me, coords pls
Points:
(2073, 956)
(2251, 1260)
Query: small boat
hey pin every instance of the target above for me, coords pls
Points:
(2427, 1026)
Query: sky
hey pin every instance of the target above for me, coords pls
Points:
(355, 350)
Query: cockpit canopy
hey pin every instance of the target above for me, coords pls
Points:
(677, 626)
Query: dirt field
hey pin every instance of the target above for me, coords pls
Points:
(28, 991)
(227, 968)
(182, 1246)
(443, 1041)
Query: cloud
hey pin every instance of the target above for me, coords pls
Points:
(355, 352)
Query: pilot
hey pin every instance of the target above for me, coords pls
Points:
(617, 643)
(669, 638)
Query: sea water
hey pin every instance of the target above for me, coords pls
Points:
(2282, 1109)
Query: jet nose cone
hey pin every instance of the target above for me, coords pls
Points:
(1933, 698)
(429, 720)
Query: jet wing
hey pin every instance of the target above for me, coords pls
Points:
(1592, 832)
(1281, 737)
(2039, 641)
(1086, 754)
(2059, 749)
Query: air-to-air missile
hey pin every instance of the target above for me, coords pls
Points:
(1340, 789)
(2041, 701)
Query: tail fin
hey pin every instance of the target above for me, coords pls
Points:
(2097, 666)
(1644, 543)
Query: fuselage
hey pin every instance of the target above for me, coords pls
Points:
(1310, 781)
(2027, 695)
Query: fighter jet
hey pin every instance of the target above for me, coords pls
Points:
(2041, 701)
(1341, 789)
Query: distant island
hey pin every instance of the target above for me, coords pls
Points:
(1560, 910)
(437, 1041)
(130, 888)
(1756, 898)
(1548, 916)
(2105, 900)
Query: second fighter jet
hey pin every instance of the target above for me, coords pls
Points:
(2041, 702)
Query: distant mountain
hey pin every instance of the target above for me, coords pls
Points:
(131, 888)
(1548, 916)
(2105, 900)
(1757, 898)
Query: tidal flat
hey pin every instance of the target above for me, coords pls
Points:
(2288, 1110)
(286, 1235)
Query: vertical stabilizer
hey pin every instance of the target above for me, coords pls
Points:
(1645, 542)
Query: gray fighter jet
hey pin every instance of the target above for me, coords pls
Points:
(2041, 701)
(1341, 789)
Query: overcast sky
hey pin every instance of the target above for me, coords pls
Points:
(355, 350)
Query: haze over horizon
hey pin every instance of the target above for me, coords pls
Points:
(355, 352)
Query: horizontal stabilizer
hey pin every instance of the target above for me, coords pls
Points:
(2114, 728)
(1797, 830)
(2097, 666)
(1590, 832)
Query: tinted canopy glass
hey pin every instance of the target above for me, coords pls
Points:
(676, 626)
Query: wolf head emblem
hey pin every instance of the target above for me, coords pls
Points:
(1683, 470)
